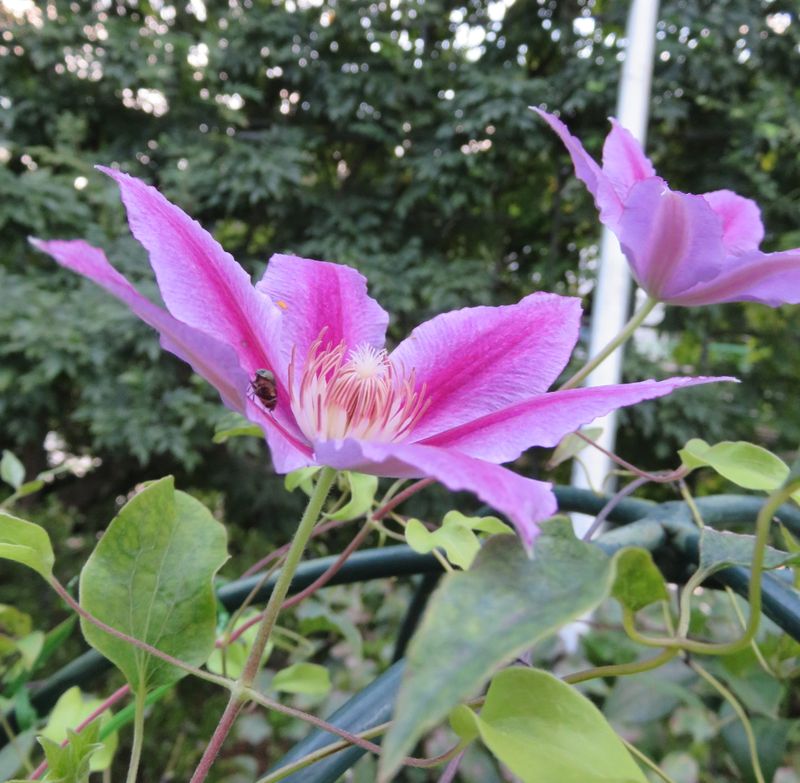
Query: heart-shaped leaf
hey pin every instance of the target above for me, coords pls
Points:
(484, 617)
(150, 576)
(544, 730)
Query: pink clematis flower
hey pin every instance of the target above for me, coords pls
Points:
(464, 392)
(683, 249)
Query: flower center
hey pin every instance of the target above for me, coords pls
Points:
(353, 394)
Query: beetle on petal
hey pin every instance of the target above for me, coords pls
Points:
(263, 386)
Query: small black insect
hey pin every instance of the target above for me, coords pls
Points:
(263, 386)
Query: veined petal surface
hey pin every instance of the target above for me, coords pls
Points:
(313, 295)
(524, 501)
(672, 240)
(208, 357)
(769, 278)
(742, 229)
(200, 283)
(545, 419)
(482, 359)
(624, 161)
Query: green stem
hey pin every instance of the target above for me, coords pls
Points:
(737, 708)
(321, 753)
(633, 324)
(128, 713)
(647, 761)
(239, 693)
(309, 519)
(621, 669)
(685, 601)
(774, 502)
(138, 734)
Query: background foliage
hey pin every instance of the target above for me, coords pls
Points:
(391, 136)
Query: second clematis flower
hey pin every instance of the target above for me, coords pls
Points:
(461, 394)
(683, 249)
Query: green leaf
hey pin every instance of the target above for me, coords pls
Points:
(69, 711)
(302, 477)
(54, 639)
(456, 536)
(745, 464)
(720, 549)
(12, 471)
(14, 622)
(28, 488)
(234, 425)
(544, 730)
(362, 494)
(571, 445)
(648, 696)
(231, 664)
(484, 617)
(30, 647)
(460, 544)
(308, 678)
(72, 763)
(792, 545)
(639, 583)
(24, 709)
(13, 754)
(26, 543)
(314, 616)
(150, 576)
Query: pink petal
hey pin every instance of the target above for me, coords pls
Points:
(208, 357)
(742, 229)
(313, 295)
(770, 278)
(598, 184)
(200, 283)
(524, 501)
(483, 359)
(672, 240)
(288, 448)
(212, 360)
(624, 161)
(542, 421)
(585, 166)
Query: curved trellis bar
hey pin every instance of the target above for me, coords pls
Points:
(666, 529)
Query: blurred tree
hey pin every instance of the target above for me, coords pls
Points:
(391, 136)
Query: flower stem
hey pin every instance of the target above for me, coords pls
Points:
(633, 324)
(138, 735)
(239, 693)
(309, 519)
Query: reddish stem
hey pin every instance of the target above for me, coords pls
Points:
(663, 477)
(73, 604)
(217, 738)
(333, 569)
(276, 553)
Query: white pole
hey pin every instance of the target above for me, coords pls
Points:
(612, 292)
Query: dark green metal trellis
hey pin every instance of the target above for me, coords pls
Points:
(666, 529)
